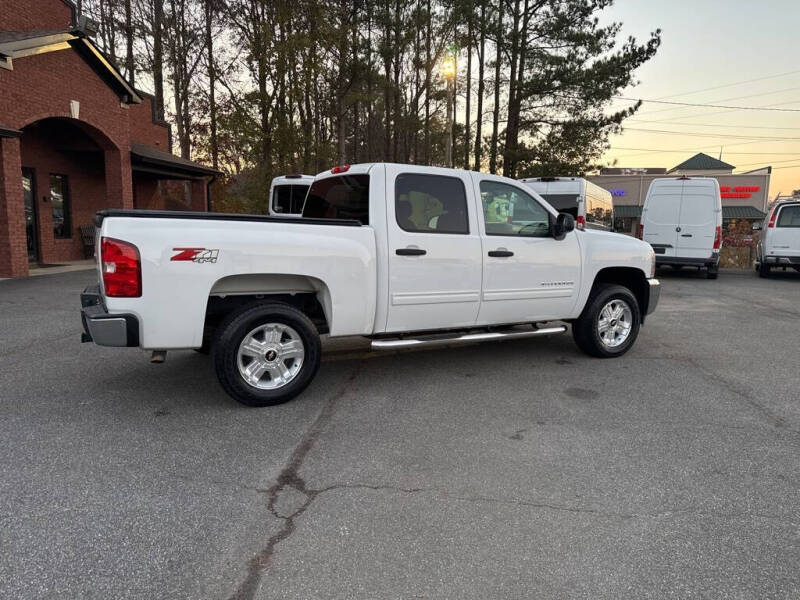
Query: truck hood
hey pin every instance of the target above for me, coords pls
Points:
(623, 250)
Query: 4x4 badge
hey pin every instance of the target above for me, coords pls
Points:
(198, 255)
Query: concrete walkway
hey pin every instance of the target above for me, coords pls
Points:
(67, 267)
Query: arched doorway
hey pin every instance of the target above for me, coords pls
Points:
(64, 180)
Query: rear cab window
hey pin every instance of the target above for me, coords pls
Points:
(288, 199)
(344, 197)
(789, 216)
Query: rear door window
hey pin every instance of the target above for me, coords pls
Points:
(430, 204)
(344, 197)
(789, 216)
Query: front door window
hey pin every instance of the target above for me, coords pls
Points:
(59, 199)
(29, 195)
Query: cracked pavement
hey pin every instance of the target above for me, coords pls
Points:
(508, 470)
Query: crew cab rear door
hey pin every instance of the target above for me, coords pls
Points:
(434, 249)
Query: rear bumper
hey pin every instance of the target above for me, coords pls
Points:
(653, 296)
(711, 261)
(793, 261)
(102, 328)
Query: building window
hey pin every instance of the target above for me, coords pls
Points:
(59, 200)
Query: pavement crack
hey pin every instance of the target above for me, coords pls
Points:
(289, 479)
(537, 504)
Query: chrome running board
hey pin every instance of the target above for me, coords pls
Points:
(392, 344)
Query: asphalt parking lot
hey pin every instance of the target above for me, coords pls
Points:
(508, 470)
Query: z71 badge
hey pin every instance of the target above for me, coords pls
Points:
(198, 255)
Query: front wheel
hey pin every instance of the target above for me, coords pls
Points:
(266, 354)
(609, 323)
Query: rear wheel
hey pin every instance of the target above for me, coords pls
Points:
(712, 272)
(609, 323)
(763, 269)
(266, 354)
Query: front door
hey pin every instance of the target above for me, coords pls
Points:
(31, 216)
(527, 274)
(434, 250)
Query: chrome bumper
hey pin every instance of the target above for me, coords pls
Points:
(105, 329)
(653, 296)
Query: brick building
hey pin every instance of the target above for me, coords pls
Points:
(75, 137)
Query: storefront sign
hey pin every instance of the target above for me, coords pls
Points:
(740, 191)
(617, 192)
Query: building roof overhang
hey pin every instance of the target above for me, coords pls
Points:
(20, 44)
(145, 159)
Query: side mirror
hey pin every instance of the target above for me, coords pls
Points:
(757, 226)
(563, 224)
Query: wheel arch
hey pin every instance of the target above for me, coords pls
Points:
(629, 277)
(309, 294)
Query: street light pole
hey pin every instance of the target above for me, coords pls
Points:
(449, 71)
(449, 155)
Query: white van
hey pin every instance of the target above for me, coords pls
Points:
(682, 221)
(780, 238)
(287, 194)
(591, 205)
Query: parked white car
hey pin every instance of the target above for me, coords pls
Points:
(779, 245)
(591, 205)
(405, 255)
(287, 194)
(682, 221)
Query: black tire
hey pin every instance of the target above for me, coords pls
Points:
(585, 328)
(712, 272)
(236, 326)
(763, 269)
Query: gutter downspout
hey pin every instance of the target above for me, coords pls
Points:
(209, 183)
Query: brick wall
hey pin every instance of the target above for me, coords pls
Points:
(34, 15)
(13, 240)
(143, 128)
(37, 88)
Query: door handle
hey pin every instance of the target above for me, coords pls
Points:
(500, 253)
(410, 252)
(686, 235)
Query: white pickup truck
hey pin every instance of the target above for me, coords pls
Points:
(404, 255)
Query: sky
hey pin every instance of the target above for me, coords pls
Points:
(749, 52)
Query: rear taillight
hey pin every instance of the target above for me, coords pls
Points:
(640, 231)
(772, 217)
(581, 223)
(340, 169)
(122, 268)
(717, 237)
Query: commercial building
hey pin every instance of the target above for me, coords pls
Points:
(75, 137)
(744, 195)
